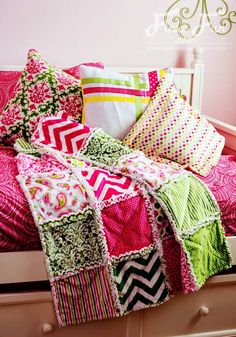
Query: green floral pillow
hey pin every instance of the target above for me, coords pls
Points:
(41, 90)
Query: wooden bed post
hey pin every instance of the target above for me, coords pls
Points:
(197, 78)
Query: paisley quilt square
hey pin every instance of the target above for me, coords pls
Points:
(127, 226)
(83, 297)
(73, 243)
(54, 195)
(140, 282)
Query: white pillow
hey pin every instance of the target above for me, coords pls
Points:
(115, 102)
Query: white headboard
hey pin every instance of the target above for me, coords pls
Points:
(188, 80)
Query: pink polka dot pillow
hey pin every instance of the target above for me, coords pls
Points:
(171, 128)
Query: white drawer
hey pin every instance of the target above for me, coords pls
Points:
(28, 314)
(212, 309)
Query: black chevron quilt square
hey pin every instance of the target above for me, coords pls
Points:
(140, 282)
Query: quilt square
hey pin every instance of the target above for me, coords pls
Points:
(108, 186)
(127, 226)
(54, 195)
(140, 282)
(73, 243)
(83, 297)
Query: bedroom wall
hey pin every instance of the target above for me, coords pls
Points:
(120, 33)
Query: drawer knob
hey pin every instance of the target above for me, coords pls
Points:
(203, 311)
(47, 327)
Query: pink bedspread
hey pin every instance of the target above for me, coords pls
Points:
(17, 228)
(222, 182)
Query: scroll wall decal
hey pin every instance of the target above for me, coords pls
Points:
(180, 18)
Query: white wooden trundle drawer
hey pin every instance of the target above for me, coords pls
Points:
(32, 315)
(210, 312)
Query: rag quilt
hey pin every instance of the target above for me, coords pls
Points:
(120, 232)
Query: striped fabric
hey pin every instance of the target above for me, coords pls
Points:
(83, 297)
(22, 146)
(172, 129)
(62, 133)
(113, 101)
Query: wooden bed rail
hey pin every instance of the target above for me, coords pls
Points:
(228, 131)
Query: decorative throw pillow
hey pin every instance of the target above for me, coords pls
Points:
(113, 101)
(172, 129)
(41, 90)
(9, 79)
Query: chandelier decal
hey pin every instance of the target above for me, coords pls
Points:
(180, 19)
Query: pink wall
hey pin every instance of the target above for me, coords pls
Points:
(67, 32)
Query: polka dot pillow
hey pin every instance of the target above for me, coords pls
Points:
(171, 128)
(114, 101)
(41, 90)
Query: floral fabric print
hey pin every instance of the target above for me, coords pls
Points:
(154, 174)
(73, 243)
(41, 90)
(29, 164)
(105, 149)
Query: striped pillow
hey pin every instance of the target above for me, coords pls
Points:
(172, 129)
(113, 101)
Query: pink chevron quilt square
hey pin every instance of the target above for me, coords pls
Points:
(108, 186)
(83, 297)
(127, 226)
(140, 282)
(61, 133)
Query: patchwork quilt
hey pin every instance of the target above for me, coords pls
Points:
(120, 232)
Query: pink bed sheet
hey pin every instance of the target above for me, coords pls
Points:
(17, 228)
(222, 182)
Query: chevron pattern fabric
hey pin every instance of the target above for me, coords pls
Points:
(100, 220)
(141, 282)
(107, 185)
(62, 134)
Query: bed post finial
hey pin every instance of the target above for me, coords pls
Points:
(198, 55)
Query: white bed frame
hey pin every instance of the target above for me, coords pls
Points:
(17, 267)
